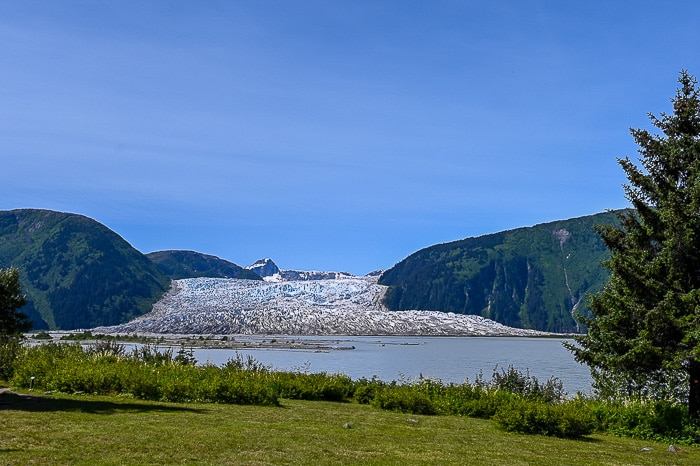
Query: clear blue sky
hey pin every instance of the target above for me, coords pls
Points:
(329, 135)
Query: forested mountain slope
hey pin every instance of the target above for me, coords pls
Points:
(191, 264)
(76, 272)
(535, 277)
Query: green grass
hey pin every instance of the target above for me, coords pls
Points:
(62, 429)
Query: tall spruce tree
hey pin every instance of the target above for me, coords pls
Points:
(644, 336)
(12, 322)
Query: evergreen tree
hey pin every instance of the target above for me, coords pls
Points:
(644, 336)
(11, 299)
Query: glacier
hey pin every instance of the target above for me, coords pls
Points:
(347, 306)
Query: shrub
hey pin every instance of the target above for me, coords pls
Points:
(661, 421)
(248, 363)
(403, 398)
(321, 386)
(106, 349)
(365, 390)
(526, 385)
(10, 348)
(185, 357)
(151, 354)
(245, 388)
(568, 419)
(473, 401)
(364, 394)
(42, 362)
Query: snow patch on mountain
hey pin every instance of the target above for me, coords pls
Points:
(351, 306)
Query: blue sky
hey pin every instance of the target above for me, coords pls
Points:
(329, 135)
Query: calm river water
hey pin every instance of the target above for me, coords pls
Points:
(450, 359)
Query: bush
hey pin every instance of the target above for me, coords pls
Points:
(526, 385)
(249, 363)
(245, 388)
(366, 390)
(569, 419)
(106, 349)
(661, 421)
(10, 347)
(151, 354)
(404, 399)
(473, 401)
(41, 363)
(322, 386)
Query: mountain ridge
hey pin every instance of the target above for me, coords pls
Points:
(178, 264)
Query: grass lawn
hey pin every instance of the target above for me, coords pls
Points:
(61, 429)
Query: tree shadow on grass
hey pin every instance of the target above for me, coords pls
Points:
(10, 401)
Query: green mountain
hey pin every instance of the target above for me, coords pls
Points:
(191, 264)
(534, 277)
(76, 272)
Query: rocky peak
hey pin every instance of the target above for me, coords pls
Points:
(264, 268)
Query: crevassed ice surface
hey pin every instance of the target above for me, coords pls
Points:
(306, 307)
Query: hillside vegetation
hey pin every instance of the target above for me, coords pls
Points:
(535, 277)
(76, 272)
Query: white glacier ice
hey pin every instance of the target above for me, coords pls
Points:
(348, 306)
